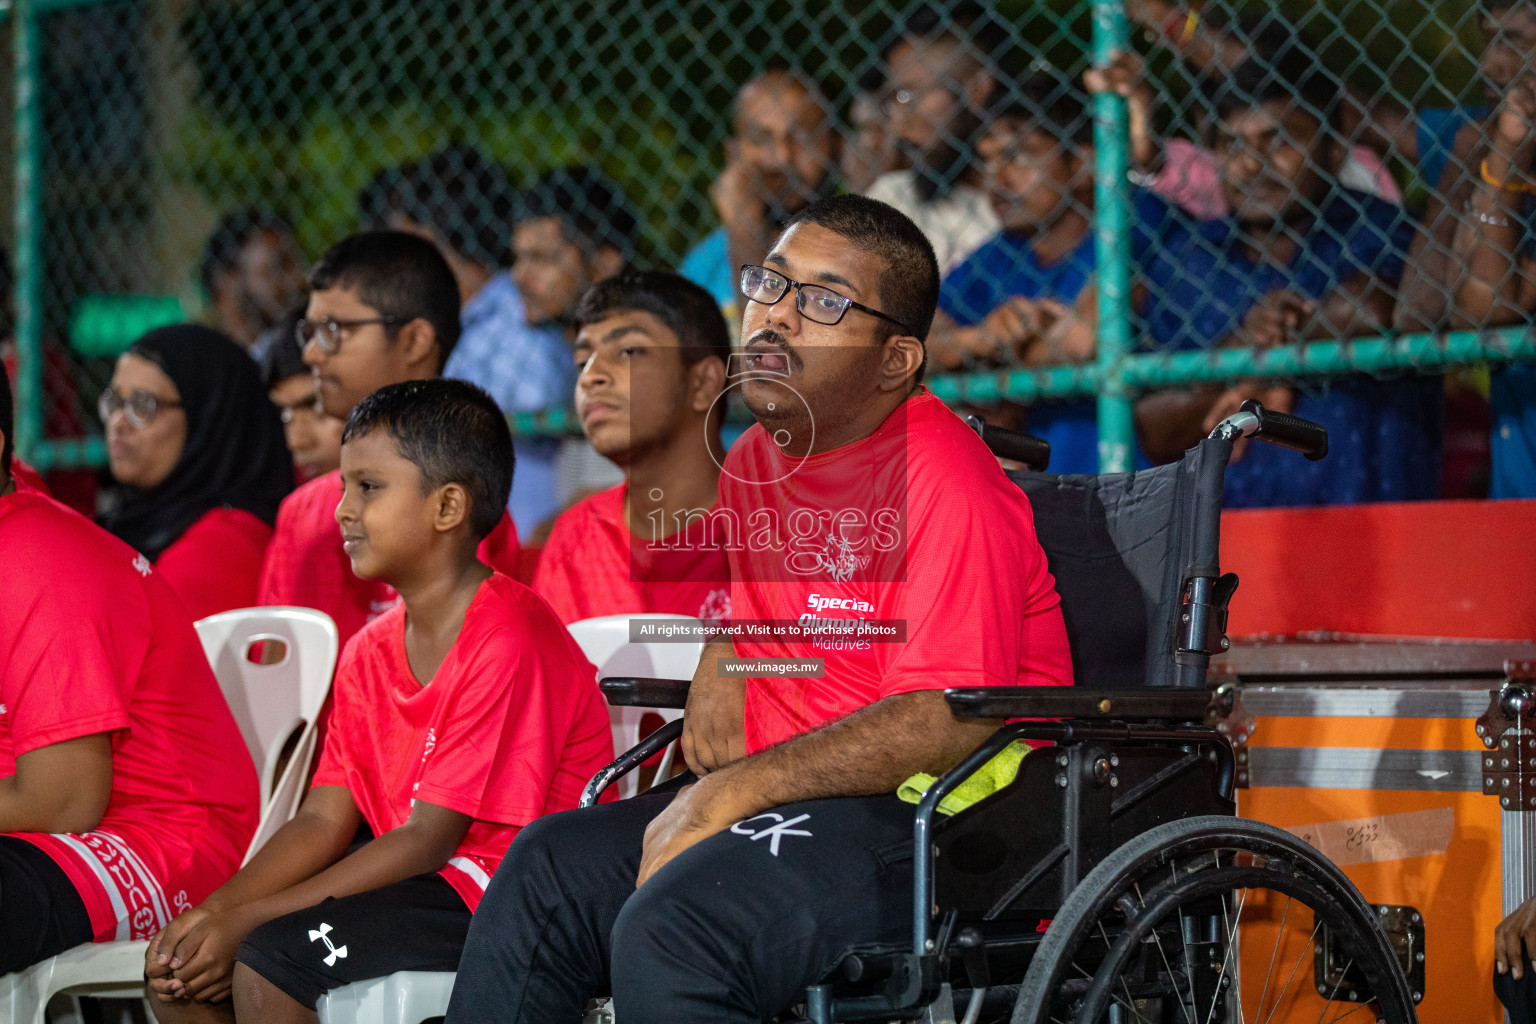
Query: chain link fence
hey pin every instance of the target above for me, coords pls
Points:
(193, 156)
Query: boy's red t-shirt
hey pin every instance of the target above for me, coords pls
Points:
(216, 564)
(92, 640)
(27, 478)
(510, 728)
(592, 565)
(932, 540)
(306, 566)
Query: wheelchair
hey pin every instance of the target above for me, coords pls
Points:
(1111, 880)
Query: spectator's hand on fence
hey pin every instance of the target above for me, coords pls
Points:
(193, 957)
(1508, 957)
(1126, 75)
(1006, 330)
(1277, 319)
(1065, 336)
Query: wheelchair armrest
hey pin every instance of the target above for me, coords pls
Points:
(625, 692)
(1071, 702)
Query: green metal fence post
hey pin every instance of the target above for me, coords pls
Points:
(28, 252)
(1112, 229)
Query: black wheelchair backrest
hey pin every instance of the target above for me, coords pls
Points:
(1124, 548)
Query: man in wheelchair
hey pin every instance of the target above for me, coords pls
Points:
(878, 554)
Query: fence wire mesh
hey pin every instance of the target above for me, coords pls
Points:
(1299, 171)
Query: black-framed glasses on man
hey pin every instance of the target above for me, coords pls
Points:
(140, 407)
(814, 302)
(327, 333)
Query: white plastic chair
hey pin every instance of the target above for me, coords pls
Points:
(605, 641)
(410, 997)
(268, 702)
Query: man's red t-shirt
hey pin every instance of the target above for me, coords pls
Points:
(216, 564)
(92, 640)
(915, 527)
(306, 566)
(510, 728)
(592, 565)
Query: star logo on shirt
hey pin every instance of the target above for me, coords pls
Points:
(142, 565)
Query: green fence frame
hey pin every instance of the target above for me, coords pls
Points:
(1115, 378)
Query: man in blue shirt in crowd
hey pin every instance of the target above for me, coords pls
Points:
(779, 160)
(462, 202)
(1027, 294)
(1300, 258)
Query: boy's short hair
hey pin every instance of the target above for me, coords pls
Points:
(284, 358)
(400, 275)
(686, 309)
(453, 432)
(592, 211)
(1292, 75)
(7, 421)
(1046, 104)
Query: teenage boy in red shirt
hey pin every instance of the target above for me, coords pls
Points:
(461, 715)
(863, 499)
(652, 349)
(126, 793)
(383, 308)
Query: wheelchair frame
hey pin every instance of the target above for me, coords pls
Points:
(1089, 729)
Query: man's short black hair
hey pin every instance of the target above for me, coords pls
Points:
(453, 433)
(7, 422)
(457, 192)
(983, 35)
(687, 310)
(233, 232)
(909, 285)
(1293, 75)
(284, 359)
(592, 211)
(400, 275)
(1046, 104)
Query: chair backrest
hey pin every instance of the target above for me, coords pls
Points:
(274, 666)
(605, 641)
(1123, 547)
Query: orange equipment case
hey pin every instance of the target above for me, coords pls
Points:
(1368, 748)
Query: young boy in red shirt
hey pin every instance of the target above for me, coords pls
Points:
(461, 715)
(126, 793)
(383, 308)
(652, 349)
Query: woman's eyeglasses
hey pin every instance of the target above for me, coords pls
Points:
(140, 407)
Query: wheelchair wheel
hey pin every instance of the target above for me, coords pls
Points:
(1214, 919)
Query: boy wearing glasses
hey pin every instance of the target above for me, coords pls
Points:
(383, 308)
(312, 435)
(126, 793)
(865, 500)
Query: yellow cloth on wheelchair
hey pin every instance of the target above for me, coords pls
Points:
(985, 781)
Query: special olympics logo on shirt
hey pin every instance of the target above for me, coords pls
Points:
(838, 560)
(142, 565)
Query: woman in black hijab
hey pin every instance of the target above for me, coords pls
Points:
(197, 451)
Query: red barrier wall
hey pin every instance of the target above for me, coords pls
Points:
(1434, 568)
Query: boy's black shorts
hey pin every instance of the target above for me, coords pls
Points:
(415, 925)
(41, 914)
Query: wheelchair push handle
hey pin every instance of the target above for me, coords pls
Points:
(1033, 452)
(1278, 428)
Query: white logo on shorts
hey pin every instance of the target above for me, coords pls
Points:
(774, 832)
(323, 934)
